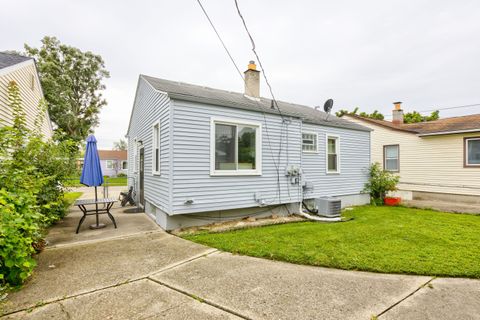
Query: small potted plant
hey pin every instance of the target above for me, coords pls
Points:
(392, 201)
(379, 184)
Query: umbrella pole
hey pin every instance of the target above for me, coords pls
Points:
(96, 205)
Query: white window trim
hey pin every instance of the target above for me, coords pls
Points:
(337, 149)
(111, 162)
(121, 164)
(258, 147)
(315, 134)
(466, 153)
(135, 155)
(385, 157)
(156, 172)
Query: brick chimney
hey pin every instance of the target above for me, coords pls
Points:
(397, 113)
(252, 81)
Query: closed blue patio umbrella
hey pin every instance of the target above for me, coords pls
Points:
(92, 171)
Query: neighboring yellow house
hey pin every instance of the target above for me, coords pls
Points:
(23, 71)
(435, 160)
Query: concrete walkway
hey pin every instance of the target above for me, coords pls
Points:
(140, 272)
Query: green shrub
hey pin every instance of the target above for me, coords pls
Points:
(19, 230)
(32, 171)
(121, 175)
(380, 183)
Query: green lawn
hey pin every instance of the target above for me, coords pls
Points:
(70, 197)
(116, 181)
(378, 239)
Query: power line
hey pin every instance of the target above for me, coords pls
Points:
(264, 116)
(447, 108)
(258, 58)
(220, 38)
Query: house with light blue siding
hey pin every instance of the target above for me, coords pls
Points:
(200, 155)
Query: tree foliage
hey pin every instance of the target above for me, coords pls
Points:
(72, 81)
(414, 117)
(120, 145)
(31, 194)
(374, 115)
(380, 183)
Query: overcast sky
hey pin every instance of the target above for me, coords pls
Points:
(360, 53)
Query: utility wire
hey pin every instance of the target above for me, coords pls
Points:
(220, 38)
(447, 108)
(258, 58)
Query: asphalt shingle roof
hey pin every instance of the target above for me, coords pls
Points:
(445, 125)
(195, 93)
(8, 59)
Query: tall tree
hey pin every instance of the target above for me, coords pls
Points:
(72, 82)
(120, 145)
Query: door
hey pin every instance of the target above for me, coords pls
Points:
(142, 174)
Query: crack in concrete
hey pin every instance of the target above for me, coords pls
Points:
(62, 307)
(406, 297)
(203, 300)
(144, 277)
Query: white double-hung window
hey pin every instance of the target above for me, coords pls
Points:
(391, 158)
(472, 152)
(309, 142)
(333, 154)
(235, 147)
(156, 148)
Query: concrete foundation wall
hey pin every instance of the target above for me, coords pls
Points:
(171, 222)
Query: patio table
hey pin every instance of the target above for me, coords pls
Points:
(108, 204)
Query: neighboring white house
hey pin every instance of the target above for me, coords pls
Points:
(200, 155)
(434, 159)
(23, 71)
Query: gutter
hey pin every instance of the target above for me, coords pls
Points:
(447, 132)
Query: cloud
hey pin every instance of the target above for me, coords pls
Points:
(360, 53)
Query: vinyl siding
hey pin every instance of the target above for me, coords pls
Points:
(24, 74)
(191, 161)
(151, 106)
(354, 160)
(429, 164)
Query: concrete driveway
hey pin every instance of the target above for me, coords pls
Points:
(140, 272)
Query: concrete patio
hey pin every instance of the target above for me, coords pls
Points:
(139, 271)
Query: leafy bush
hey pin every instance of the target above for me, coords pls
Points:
(121, 175)
(379, 183)
(31, 197)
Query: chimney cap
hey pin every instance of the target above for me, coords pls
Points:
(252, 65)
(398, 102)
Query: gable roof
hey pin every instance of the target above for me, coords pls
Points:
(469, 123)
(112, 154)
(194, 93)
(9, 59)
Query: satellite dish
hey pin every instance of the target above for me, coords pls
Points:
(327, 107)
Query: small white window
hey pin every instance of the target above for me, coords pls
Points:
(235, 147)
(472, 152)
(309, 142)
(124, 165)
(156, 149)
(333, 157)
(109, 164)
(391, 158)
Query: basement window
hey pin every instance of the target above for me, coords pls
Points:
(235, 147)
(391, 158)
(309, 142)
(472, 152)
